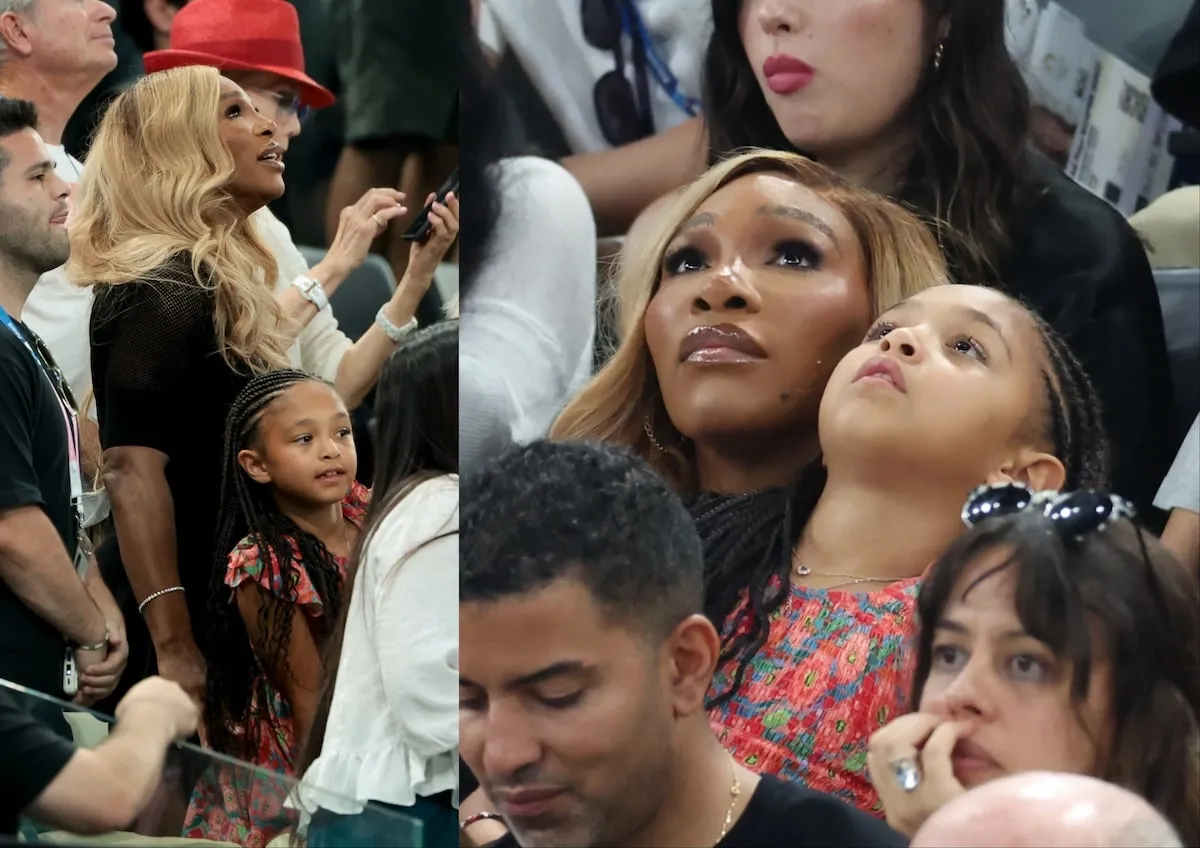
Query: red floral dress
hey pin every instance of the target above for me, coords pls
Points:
(836, 667)
(240, 806)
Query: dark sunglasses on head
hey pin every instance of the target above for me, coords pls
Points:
(1073, 513)
(624, 115)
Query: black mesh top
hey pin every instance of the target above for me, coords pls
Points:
(161, 382)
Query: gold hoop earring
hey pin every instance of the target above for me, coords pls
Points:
(937, 55)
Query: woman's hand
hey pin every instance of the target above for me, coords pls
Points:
(358, 227)
(926, 742)
(184, 664)
(423, 258)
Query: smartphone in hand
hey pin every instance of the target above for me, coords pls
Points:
(421, 228)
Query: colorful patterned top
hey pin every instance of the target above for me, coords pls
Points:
(242, 807)
(834, 669)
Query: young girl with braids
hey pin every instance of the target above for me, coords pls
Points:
(816, 581)
(290, 516)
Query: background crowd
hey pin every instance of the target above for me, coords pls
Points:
(860, 418)
(229, 413)
(831, 420)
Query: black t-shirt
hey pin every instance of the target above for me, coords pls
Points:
(160, 382)
(784, 815)
(31, 756)
(34, 471)
(1077, 261)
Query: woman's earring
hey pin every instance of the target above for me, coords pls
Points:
(937, 55)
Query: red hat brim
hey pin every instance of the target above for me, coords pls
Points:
(312, 93)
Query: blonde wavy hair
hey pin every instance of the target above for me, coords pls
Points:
(156, 184)
(622, 405)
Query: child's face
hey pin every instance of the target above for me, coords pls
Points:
(985, 668)
(306, 445)
(951, 379)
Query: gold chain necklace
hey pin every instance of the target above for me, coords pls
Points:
(735, 790)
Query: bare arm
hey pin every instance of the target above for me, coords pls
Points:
(35, 566)
(644, 171)
(105, 788)
(360, 366)
(300, 679)
(143, 511)
(89, 438)
(1181, 537)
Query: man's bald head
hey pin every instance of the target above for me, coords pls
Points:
(1045, 810)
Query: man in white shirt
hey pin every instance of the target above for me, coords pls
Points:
(53, 52)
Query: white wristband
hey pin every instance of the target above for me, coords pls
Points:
(312, 291)
(396, 334)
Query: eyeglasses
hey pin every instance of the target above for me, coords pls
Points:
(624, 116)
(287, 103)
(1073, 513)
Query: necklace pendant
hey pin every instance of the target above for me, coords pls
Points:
(803, 570)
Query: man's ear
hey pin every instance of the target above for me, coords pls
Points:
(14, 34)
(693, 648)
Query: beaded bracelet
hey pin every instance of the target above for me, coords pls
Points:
(478, 817)
(158, 594)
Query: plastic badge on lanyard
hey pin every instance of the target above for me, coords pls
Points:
(661, 70)
(83, 548)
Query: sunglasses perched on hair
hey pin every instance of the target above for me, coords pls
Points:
(287, 103)
(1073, 513)
(623, 113)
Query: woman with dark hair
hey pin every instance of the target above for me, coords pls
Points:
(528, 275)
(1055, 636)
(386, 728)
(920, 100)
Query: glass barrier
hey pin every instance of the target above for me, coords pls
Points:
(289, 813)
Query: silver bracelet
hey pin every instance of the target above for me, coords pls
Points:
(158, 594)
(97, 646)
(396, 334)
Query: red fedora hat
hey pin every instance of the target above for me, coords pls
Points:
(241, 35)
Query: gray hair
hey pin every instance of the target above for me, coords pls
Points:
(19, 7)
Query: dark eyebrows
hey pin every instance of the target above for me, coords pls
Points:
(960, 629)
(40, 168)
(795, 213)
(566, 668)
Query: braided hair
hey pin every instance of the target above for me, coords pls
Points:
(248, 510)
(748, 539)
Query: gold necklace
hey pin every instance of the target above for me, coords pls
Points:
(734, 791)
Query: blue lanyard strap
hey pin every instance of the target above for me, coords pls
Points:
(659, 68)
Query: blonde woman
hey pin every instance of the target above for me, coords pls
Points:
(184, 316)
(736, 304)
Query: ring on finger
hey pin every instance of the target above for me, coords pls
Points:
(907, 773)
(375, 218)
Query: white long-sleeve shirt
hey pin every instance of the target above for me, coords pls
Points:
(392, 733)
